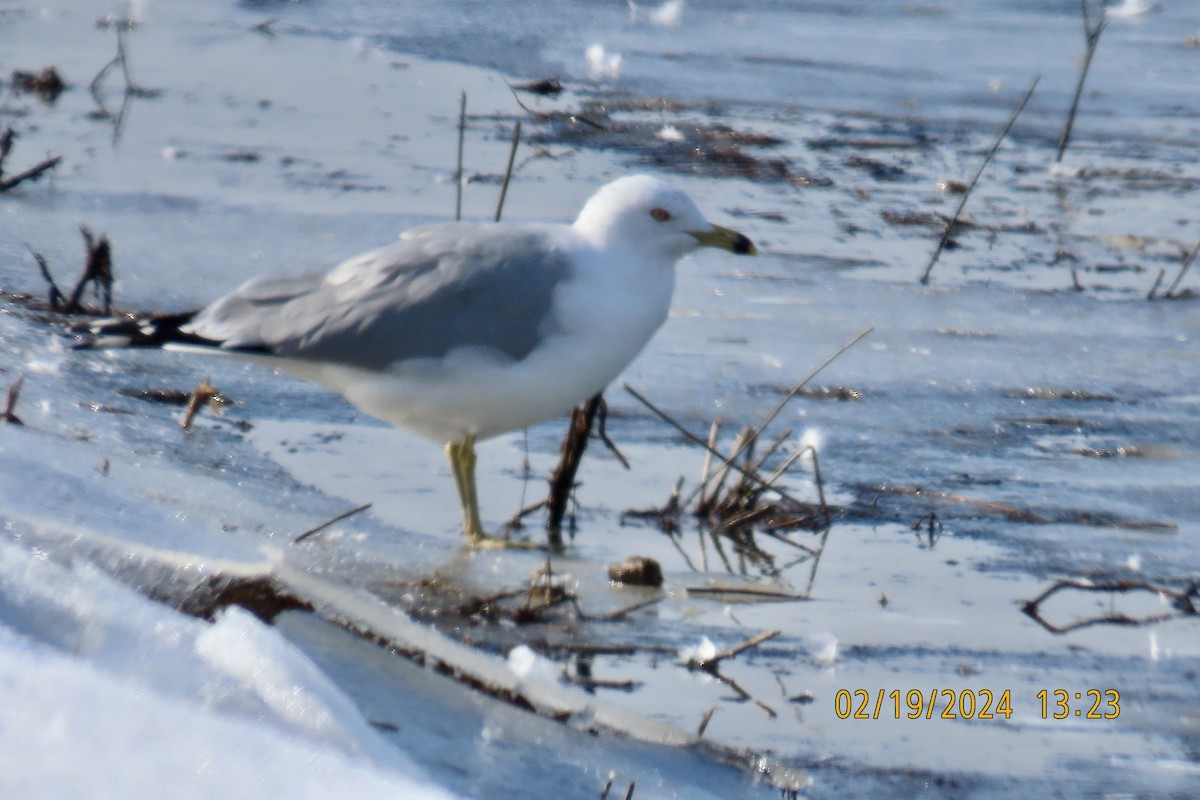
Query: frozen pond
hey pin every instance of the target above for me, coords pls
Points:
(1026, 417)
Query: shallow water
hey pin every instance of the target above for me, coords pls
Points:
(997, 383)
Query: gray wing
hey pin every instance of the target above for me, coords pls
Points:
(440, 287)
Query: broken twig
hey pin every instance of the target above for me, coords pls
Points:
(204, 395)
(562, 482)
(332, 521)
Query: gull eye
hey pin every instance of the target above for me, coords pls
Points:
(660, 214)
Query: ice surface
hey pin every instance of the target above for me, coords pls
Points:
(339, 135)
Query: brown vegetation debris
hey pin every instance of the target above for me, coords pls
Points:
(259, 595)
(46, 83)
(204, 395)
(637, 571)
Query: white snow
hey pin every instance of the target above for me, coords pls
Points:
(108, 694)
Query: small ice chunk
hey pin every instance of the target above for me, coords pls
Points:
(601, 63)
(1131, 8)
(812, 439)
(822, 648)
(669, 133)
(668, 15)
(529, 666)
(698, 652)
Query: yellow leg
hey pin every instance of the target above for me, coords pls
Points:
(462, 465)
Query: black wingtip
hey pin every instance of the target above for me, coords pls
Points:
(136, 330)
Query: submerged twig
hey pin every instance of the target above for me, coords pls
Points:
(762, 594)
(132, 88)
(1162, 273)
(332, 521)
(1183, 600)
(1187, 263)
(941, 245)
(624, 611)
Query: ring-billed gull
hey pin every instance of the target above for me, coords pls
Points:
(461, 331)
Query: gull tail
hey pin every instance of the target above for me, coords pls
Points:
(146, 330)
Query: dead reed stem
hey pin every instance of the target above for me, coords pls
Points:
(697, 440)
(941, 245)
(1091, 32)
(458, 169)
(508, 170)
(853, 340)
